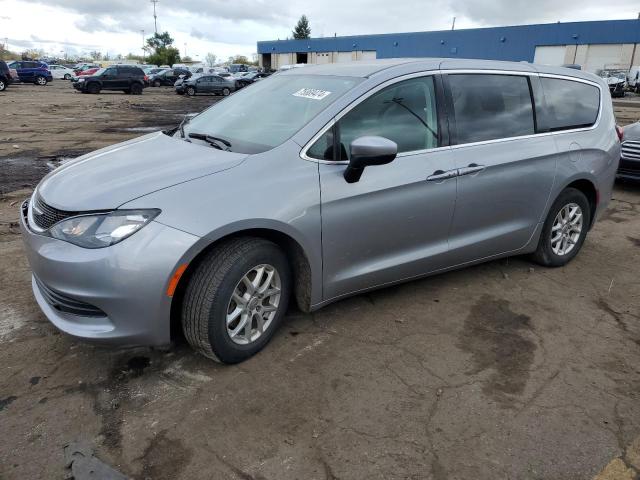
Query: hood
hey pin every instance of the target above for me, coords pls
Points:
(110, 177)
(632, 132)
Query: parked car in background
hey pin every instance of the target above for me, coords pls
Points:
(32, 71)
(168, 76)
(59, 71)
(206, 84)
(5, 76)
(630, 156)
(86, 66)
(616, 80)
(282, 191)
(127, 78)
(633, 79)
(250, 78)
(85, 73)
(238, 67)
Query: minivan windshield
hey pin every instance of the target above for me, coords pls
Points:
(267, 113)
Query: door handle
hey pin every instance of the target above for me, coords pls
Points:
(472, 168)
(440, 175)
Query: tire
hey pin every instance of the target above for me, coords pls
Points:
(191, 91)
(226, 92)
(209, 297)
(40, 80)
(548, 253)
(67, 76)
(136, 89)
(93, 88)
(3, 85)
(156, 83)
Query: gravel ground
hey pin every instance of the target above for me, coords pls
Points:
(503, 370)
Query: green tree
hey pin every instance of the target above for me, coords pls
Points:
(302, 29)
(239, 59)
(163, 51)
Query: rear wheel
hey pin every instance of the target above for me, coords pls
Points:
(40, 80)
(226, 92)
(156, 83)
(564, 230)
(67, 76)
(93, 88)
(191, 91)
(236, 299)
(136, 89)
(3, 85)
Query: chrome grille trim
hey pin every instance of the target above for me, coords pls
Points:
(45, 216)
(631, 150)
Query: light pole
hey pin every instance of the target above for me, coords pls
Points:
(143, 47)
(155, 23)
(185, 49)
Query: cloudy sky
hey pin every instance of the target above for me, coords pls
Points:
(229, 27)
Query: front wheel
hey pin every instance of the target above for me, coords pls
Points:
(226, 92)
(564, 230)
(156, 83)
(191, 91)
(93, 88)
(3, 85)
(67, 76)
(136, 89)
(40, 80)
(236, 299)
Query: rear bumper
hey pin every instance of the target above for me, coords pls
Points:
(114, 295)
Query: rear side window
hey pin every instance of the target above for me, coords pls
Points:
(489, 107)
(569, 104)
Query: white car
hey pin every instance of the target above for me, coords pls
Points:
(59, 71)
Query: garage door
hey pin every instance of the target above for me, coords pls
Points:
(550, 55)
(368, 55)
(601, 56)
(344, 57)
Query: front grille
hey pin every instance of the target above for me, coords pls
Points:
(631, 150)
(66, 304)
(44, 216)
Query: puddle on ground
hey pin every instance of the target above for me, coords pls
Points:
(25, 172)
(141, 129)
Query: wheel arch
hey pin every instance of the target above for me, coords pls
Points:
(588, 188)
(302, 268)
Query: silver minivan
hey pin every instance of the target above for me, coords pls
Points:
(316, 184)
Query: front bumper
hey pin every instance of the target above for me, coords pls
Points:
(114, 295)
(629, 167)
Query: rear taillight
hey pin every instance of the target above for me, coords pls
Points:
(146, 78)
(620, 133)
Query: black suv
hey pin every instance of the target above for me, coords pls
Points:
(129, 79)
(5, 75)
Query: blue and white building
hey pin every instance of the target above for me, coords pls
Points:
(593, 45)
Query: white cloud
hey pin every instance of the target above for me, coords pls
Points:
(233, 27)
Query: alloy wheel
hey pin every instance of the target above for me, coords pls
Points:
(2, 86)
(253, 304)
(566, 230)
(41, 81)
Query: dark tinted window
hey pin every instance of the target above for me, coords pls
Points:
(569, 104)
(488, 107)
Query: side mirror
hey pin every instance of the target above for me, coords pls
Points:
(369, 151)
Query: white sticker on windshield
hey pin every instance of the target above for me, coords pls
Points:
(311, 93)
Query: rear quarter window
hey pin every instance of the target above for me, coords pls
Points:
(568, 104)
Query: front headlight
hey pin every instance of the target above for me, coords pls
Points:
(102, 230)
(81, 80)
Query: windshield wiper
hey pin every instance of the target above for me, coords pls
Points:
(213, 141)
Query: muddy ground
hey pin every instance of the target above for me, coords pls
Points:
(500, 371)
